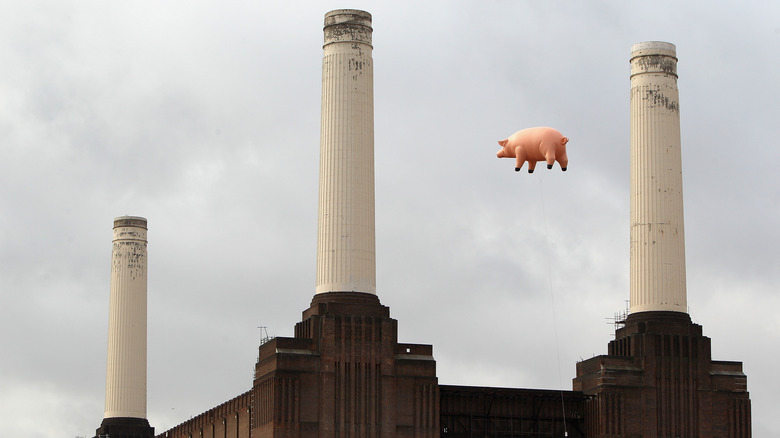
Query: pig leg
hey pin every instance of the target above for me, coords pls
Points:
(550, 158)
(531, 166)
(520, 159)
(564, 162)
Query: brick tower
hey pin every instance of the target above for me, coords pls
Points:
(658, 378)
(344, 373)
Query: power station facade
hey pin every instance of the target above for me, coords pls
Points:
(344, 373)
(658, 378)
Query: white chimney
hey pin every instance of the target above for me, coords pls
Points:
(346, 255)
(126, 362)
(657, 238)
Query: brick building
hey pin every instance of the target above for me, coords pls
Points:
(344, 373)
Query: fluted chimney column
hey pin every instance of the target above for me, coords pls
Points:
(657, 238)
(346, 255)
(125, 413)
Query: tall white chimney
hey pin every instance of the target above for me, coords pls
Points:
(346, 255)
(126, 363)
(657, 238)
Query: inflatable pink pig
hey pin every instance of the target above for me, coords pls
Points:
(533, 145)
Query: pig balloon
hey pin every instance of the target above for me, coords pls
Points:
(533, 145)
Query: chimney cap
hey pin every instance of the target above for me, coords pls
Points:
(130, 221)
(347, 16)
(649, 48)
(347, 26)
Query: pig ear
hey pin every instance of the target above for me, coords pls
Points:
(503, 142)
(564, 140)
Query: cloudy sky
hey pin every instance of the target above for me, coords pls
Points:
(204, 118)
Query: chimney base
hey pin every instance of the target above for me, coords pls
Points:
(659, 379)
(345, 373)
(125, 427)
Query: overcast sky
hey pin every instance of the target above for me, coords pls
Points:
(204, 118)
